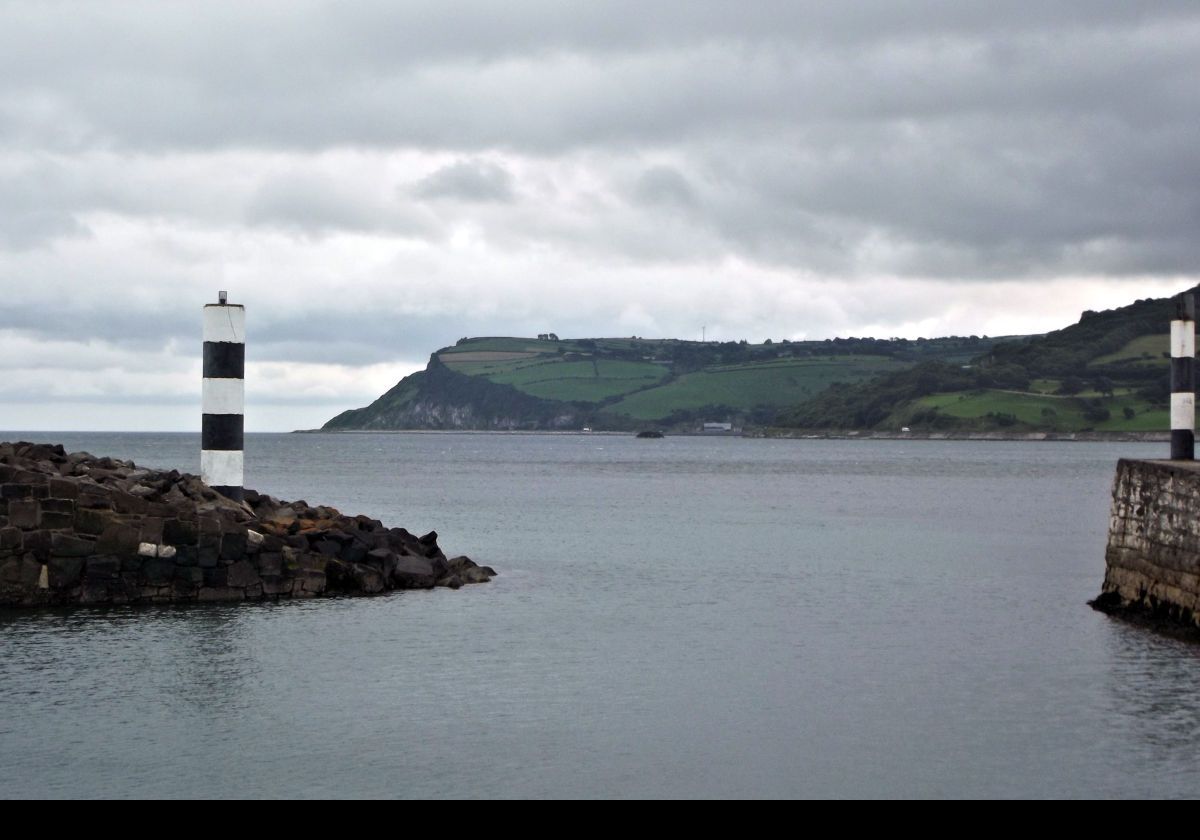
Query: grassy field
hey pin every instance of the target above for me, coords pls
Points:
(1146, 350)
(1057, 413)
(542, 369)
(580, 381)
(777, 383)
(585, 371)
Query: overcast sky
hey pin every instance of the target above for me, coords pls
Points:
(376, 180)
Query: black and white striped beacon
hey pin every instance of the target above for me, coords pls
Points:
(221, 439)
(1183, 379)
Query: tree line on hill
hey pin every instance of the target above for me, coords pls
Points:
(1072, 357)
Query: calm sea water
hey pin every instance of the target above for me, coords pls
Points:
(674, 618)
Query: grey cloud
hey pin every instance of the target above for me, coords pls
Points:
(316, 336)
(977, 139)
(32, 228)
(315, 204)
(36, 207)
(468, 180)
(664, 185)
(548, 76)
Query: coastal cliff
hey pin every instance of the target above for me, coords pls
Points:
(77, 529)
(440, 398)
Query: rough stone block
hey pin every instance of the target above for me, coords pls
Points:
(274, 585)
(36, 543)
(157, 572)
(179, 532)
(118, 538)
(10, 571)
(151, 529)
(24, 513)
(10, 539)
(101, 568)
(16, 491)
(329, 548)
(94, 592)
(213, 594)
(269, 563)
(308, 582)
(94, 498)
(68, 545)
(57, 521)
(65, 572)
(53, 505)
(367, 579)
(243, 574)
(475, 575)
(413, 573)
(208, 555)
(233, 546)
(31, 572)
(311, 563)
(187, 555)
(192, 575)
(92, 521)
(125, 503)
(355, 552)
(61, 488)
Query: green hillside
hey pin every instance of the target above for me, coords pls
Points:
(1108, 372)
(626, 383)
(745, 387)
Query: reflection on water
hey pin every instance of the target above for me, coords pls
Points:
(685, 617)
(1151, 682)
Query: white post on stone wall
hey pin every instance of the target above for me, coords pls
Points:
(1183, 379)
(223, 424)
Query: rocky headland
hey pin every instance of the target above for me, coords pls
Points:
(80, 529)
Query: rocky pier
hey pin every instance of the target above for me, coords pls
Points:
(80, 529)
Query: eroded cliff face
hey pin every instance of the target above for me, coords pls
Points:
(76, 529)
(439, 398)
(1153, 553)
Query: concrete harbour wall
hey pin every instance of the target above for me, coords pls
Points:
(1153, 554)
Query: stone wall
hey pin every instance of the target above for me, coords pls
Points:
(76, 529)
(1153, 554)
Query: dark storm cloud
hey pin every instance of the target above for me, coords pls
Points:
(553, 75)
(932, 138)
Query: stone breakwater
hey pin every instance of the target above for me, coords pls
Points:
(77, 529)
(1153, 555)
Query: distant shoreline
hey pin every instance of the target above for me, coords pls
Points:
(794, 434)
